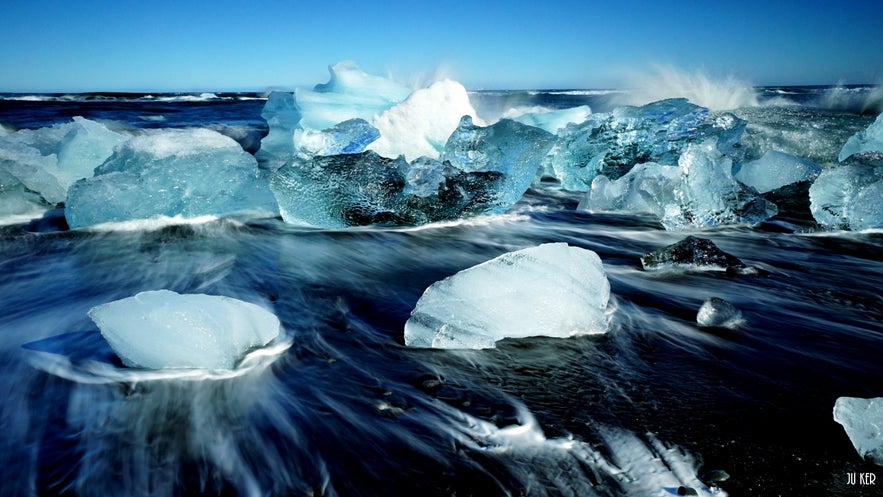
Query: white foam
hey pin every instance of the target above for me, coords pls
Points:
(421, 124)
(714, 93)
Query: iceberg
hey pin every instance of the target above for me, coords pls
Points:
(700, 192)
(692, 253)
(863, 421)
(552, 290)
(513, 149)
(718, 313)
(172, 172)
(421, 124)
(163, 329)
(869, 139)
(361, 189)
(848, 196)
(349, 94)
(612, 143)
(775, 170)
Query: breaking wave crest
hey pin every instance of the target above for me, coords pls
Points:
(661, 82)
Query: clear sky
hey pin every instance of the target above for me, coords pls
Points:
(184, 45)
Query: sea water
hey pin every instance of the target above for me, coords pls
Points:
(343, 408)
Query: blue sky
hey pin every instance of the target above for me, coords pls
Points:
(182, 45)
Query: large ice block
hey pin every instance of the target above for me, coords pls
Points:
(552, 290)
(360, 189)
(612, 143)
(172, 172)
(700, 191)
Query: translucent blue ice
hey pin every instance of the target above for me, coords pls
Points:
(848, 196)
(360, 189)
(350, 93)
(551, 290)
(775, 170)
(550, 120)
(508, 147)
(700, 191)
(173, 172)
(39, 165)
(347, 137)
(869, 139)
(612, 143)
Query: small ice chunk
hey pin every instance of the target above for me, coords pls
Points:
(550, 290)
(863, 421)
(775, 170)
(718, 313)
(163, 329)
(692, 253)
(869, 139)
(421, 125)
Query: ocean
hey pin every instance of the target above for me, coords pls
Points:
(652, 407)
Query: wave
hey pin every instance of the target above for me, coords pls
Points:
(662, 82)
(862, 99)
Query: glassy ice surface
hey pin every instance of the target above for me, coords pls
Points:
(166, 330)
(187, 173)
(39, 165)
(847, 196)
(612, 143)
(548, 119)
(349, 94)
(718, 313)
(869, 139)
(552, 290)
(347, 137)
(510, 148)
(361, 189)
(775, 170)
(861, 418)
(701, 191)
